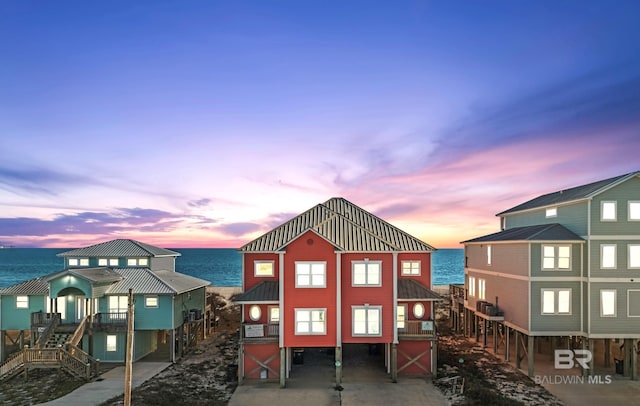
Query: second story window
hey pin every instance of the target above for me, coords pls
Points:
(634, 256)
(488, 254)
(137, 262)
(608, 211)
(634, 211)
(263, 268)
(556, 301)
(472, 286)
(367, 320)
(118, 304)
(311, 274)
(78, 261)
(366, 273)
(551, 212)
(556, 257)
(151, 301)
(608, 303)
(608, 256)
(311, 321)
(482, 285)
(108, 262)
(411, 268)
(22, 302)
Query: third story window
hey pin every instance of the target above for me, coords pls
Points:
(607, 303)
(608, 211)
(556, 301)
(556, 257)
(634, 211)
(263, 268)
(608, 256)
(367, 273)
(411, 267)
(310, 275)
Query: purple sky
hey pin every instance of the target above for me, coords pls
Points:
(207, 123)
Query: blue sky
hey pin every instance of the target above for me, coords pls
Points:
(206, 123)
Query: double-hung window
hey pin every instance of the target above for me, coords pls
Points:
(311, 274)
(367, 320)
(472, 286)
(556, 257)
(411, 268)
(108, 262)
(366, 273)
(311, 321)
(556, 301)
(607, 303)
(608, 256)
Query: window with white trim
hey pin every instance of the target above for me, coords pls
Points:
(151, 301)
(551, 212)
(634, 256)
(274, 314)
(366, 273)
(61, 306)
(78, 261)
(482, 284)
(556, 257)
(608, 256)
(311, 274)
(118, 304)
(263, 268)
(401, 318)
(108, 262)
(137, 261)
(472, 286)
(22, 302)
(488, 254)
(608, 211)
(367, 320)
(311, 321)
(255, 312)
(112, 342)
(634, 211)
(633, 302)
(418, 310)
(411, 268)
(607, 303)
(556, 301)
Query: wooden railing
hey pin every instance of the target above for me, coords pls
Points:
(457, 291)
(418, 329)
(12, 365)
(259, 332)
(53, 322)
(75, 361)
(110, 318)
(77, 335)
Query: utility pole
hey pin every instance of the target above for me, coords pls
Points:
(128, 369)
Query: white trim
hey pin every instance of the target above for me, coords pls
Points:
(589, 204)
(395, 296)
(311, 285)
(614, 237)
(281, 297)
(311, 321)
(615, 303)
(628, 297)
(366, 309)
(338, 299)
(498, 274)
(615, 211)
(366, 263)
(629, 256)
(411, 261)
(629, 210)
(260, 262)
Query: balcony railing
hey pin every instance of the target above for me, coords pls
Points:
(260, 332)
(418, 329)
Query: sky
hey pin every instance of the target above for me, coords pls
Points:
(208, 123)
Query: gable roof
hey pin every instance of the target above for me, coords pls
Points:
(35, 286)
(345, 225)
(570, 195)
(120, 248)
(542, 232)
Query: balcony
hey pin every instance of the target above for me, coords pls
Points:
(418, 330)
(256, 332)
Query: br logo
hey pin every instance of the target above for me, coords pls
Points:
(566, 359)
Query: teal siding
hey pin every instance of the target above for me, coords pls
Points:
(69, 281)
(144, 343)
(150, 318)
(12, 318)
(620, 324)
(185, 302)
(622, 194)
(622, 260)
(572, 216)
(556, 323)
(536, 261)
(100, 348)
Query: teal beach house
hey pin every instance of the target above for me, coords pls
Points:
(79, 316)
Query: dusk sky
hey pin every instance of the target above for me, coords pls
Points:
(207, 123)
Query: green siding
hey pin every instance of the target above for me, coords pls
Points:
(185, 302)
(622, 194)
(572, 216)
(557, 323)
(536, 261)
(163, 264)
(620, 323)
(12, 318)
(622, 260)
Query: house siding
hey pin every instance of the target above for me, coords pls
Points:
(250, 280)
(153, 318)
(555, 323)
(572, 216)
(184, 302)
(576, 261)
(622, 194)
(162, 263)
(621, 323)
(622, 259)
(13, 318)
(510, 259)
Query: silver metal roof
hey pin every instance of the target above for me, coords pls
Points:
(120, 248)
(345, 225)
(94, 275)
(140, 281)
(35, 286)
(180, 283)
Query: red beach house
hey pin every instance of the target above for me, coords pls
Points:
(336, 275)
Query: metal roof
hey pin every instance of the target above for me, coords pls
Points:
(570, 195)
(179, 282)
(35, 286)
(94, 275)
(345, 225)
(120, 248)
(140, 281)
(265, 291)
(541, 232)
(411, 289)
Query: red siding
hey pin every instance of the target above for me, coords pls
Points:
(412, 349)
(374, 296)
(264, 313)
(309, 247)
(425, 266)
(249, 279)
(261, 352)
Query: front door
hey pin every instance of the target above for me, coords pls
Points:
(81, 308)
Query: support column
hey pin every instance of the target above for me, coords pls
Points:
(518, 350)
(591, 363)
(338, 366)
(283, 366)
(495, 336)
(531, 354)
(634, 359)
(2, 345)
(627, 357)
(394, 362)
(507, 331)
(484, 333)
(607, 352)
(240, 363)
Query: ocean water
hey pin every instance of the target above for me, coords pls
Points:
(220, 266)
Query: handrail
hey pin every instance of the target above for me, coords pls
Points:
(11, 364)
(418, 328)
(55, 321)
(77, 335)
(76, 365)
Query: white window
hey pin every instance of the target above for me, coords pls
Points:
(608, 256)
(401, 316)
(151, 301)
(61, 306)
(108, 262)
(556, 301)
(137, 261)
(607, 302)
(551, 212)
(118, 304)
(112, 343)
(608, 211)
(255, 313)
(310, 275)
(634, 211)
(482, 284)
(634, 256)
(472, 286)
(366, 273)
(263, 268)
(633, 302)
(274, 314)
(78, 261)
(22, 302)
(556, 257)
(488, 254)
(418, 310)
(367, 320)
(311, 321)
(411, 267)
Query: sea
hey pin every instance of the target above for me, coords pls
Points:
(220, 266)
